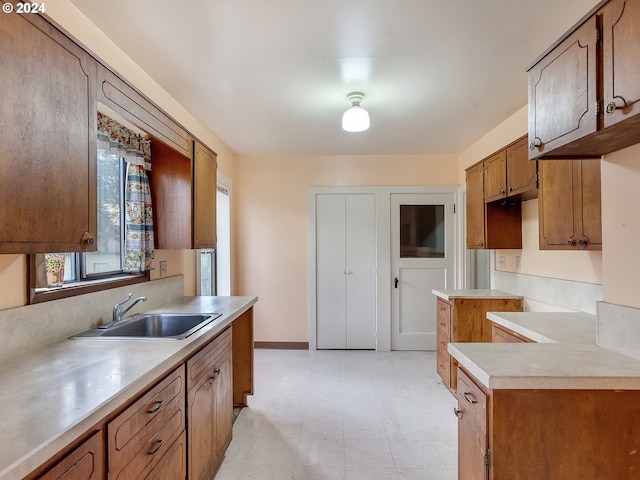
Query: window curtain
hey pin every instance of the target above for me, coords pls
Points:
(136, 151)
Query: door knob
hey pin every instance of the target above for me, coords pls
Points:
(395, 282)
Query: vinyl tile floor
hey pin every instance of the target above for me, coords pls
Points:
(344, 415)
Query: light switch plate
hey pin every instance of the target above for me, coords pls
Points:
(501, 261)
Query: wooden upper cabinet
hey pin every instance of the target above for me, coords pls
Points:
(621, 59)
(495, 177)
(522, 173)
(47, 139)
(570, 214)
(204, 197)
(562, 92)
(510, 174)
(475, 207)
(171, 193)
(584, 94)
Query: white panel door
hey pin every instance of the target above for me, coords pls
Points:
(345, 269)
(331, 280)
(360, 262)
(422, 258)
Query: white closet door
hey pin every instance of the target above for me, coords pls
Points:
(345, 269)
(330, 268)
(360, 271)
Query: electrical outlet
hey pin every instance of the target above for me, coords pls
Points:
(163, 268)
(518, 262)
(501, 261)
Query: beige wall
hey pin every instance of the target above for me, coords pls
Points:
(272, 224)
(621, 227)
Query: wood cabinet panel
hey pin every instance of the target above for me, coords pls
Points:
(85, 463)
(584, 97)
(570, 212)
(48, 141)
(204, 197)
(562, 92)
(505, 335)
(126, 101)
(173, 465)
(473, 442)
(139, 437)
(170, 179)
(495, 177)
(209, 407)
(475, 206)
(522, 173)
(465, 320)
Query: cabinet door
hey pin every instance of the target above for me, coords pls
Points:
(569, 208)
(590, 204)
(562, 92)
(204, 197)
(472, 430)
(621, 37)
(495, 177)
(556, 213)
(475, 207)
(521, 172)
(224, 403)
(48, 125)
(84, 463)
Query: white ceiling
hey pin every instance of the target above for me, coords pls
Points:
(271, 76)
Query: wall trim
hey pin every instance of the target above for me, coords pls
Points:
(282, 345)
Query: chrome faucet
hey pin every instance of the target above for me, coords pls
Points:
(118, 311)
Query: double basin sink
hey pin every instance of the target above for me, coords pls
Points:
(175, 326)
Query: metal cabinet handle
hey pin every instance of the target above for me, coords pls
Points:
(583, 242)
(88, 239)
(571, 242)
(468, 396)
(216, 374)
(458, 413)
(156, 407)
(537, 143)
(156, 447)
(395, 282)
(612, 105)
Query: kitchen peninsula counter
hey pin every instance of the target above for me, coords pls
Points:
(54, 394)
(566, 356)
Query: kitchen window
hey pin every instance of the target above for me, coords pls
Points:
(119, 259)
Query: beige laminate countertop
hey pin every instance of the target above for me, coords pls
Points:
(473, 293)
(567, 358)
(53, 394)
(549, 327)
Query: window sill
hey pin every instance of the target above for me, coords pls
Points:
(39, 295)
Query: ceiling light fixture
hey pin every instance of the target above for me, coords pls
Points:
(356, 118)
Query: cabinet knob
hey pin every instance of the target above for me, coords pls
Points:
(571, 242)
(583, 242)
(457, 413)
(510, 189)
(612, 105)
(537, 143)
(87, 239)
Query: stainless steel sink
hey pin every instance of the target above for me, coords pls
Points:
(153, 325)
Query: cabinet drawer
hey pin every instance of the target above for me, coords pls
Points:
(157, 415)
(150, 448)
(444, 316)
(208, 355)
(472, 401)
(173, 465)
(443, 361)
(504, 335)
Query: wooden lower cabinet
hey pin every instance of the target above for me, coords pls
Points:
(504, 335)
(141, 436)
(209, 407)
(546, 434)
(464, 319)
(84, 463)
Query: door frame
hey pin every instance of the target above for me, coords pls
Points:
(382, 198)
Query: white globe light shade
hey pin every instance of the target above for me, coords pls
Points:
(355, 119)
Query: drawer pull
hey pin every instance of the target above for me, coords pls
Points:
(458, 413)
(442, 324)
(156, 447)
(469, 398)
(155, 407)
